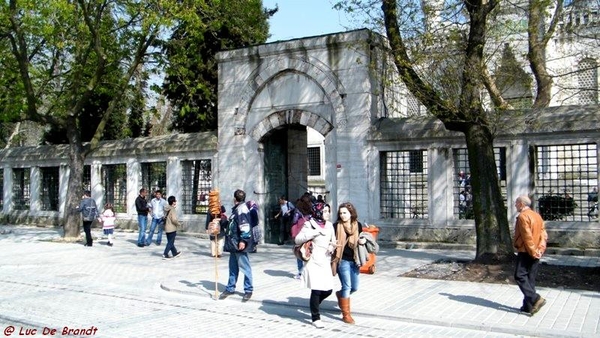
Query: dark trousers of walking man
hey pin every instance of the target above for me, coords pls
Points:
(526, 270)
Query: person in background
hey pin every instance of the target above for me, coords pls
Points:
(347, 229)
(317, 275)
(108, 219)
(142, 208)
(593, 203)
(157, 204)
(171, 226)
(530, 242)
(89, 212)
(285, 214)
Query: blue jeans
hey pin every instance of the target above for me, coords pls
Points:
(300, 265)
(161, 224)
(170, 244)
(348, 272)
(142, 222)
(239, 261)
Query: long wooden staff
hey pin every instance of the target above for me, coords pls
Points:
(214, 207)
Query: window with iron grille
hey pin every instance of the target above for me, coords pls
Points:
(114, 180)
(49, 188)
(1, 189)
(587, 76)
(566, 179)
(154, 177)
(314, 161)
(404, 184)
(21, 188)
(463, 194)
(86, 184)
(197, 183)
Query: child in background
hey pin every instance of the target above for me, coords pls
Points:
(108, 222)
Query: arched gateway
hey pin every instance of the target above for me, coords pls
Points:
(270, 94)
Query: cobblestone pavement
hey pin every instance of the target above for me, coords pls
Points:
(126, 291)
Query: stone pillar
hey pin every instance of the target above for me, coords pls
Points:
(96, 186)
(7, 190)
(174, 173)
(134, 176)
(517, 169)
(35, 186)
(440, 180)
(64, 171)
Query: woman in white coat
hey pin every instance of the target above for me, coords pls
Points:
(317, 275)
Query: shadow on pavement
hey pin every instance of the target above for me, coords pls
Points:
(479, 301)
(279, 273)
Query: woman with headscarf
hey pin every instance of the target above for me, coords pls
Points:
(316, 275)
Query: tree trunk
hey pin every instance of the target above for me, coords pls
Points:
(76, 159)
(491, 223)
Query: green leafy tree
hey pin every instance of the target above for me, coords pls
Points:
(192, 74)
(68, 57)
(440, 50)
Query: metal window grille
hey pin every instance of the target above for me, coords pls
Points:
(314, 161)
(154, 177)
(587, 76)
(49, 188)
(566, 178)
(21, 188)
(1, 189)
(197, 183)
(404, 184)
(463, 194)
(114, 179)
(86, 184)
(413, 105)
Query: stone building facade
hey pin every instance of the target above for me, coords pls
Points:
(400, 172)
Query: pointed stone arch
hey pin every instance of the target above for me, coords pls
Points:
(308, 66)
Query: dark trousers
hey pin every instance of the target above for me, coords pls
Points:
(526, 270)
(171, 244)
(316, 298)
(284, 229)
(87, 227)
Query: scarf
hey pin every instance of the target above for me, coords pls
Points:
(346, 234)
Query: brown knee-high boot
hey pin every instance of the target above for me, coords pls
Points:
(344, 304)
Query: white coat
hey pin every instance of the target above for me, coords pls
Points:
(317, 274)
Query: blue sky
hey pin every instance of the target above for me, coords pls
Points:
(301, 18)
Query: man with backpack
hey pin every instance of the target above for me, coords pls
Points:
(89, 212)
(238, 242)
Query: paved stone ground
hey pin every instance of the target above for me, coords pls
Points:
(126, 291)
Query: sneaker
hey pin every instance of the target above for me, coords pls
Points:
(318, 324)
(246, 297)
(157, 243)
(298, 276)
(109, 244)
(538, 305)
(177, 254)
(166, 257)
(141, 245)
(225, 294)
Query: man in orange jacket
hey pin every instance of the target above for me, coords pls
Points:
(530, 242)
